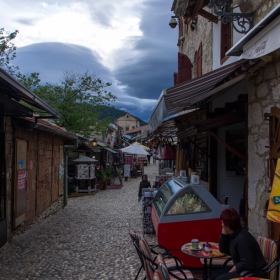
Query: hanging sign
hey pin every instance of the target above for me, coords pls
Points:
(273, 213)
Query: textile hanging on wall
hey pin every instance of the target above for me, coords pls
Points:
(273, 212)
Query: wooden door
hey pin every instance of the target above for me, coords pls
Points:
(20, 182)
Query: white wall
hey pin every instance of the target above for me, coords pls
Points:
(229, 186)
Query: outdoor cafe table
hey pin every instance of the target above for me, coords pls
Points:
(200, 253)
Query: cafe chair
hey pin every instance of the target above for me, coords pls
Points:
(163, 273)
(270, 250)
(150, 263)
(154, 249)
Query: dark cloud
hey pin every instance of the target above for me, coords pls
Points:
(146, 63)
(152, 69)
(52, 59)
(28, 22)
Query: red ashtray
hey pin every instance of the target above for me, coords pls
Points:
(249, 278)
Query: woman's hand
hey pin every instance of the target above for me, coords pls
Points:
(233, 269)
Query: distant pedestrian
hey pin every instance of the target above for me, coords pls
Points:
(149, 158)
(144, 184)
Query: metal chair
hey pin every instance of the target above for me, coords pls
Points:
(270, 250)
(172, 263)
(154, 250)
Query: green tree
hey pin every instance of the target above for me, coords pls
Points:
(78, 99)
(7, 51)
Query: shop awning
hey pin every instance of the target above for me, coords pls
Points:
(111, 150)
(15, 90)
(261, 40)
(190, 94)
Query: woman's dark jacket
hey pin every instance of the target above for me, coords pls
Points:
(244, 250)
(143, 184)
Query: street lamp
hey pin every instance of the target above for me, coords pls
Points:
(94, 142)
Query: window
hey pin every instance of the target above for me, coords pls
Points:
(226, 40)
(184, 68)
(127, 128)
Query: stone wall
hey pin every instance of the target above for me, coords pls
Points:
(201, 34)
(127, 121)
(263, 93)
(260, 7)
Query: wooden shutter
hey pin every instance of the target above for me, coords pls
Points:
(184, 68)
(226, 40)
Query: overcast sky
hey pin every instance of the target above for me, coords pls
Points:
(126, 42)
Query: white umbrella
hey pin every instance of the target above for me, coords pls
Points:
(135, 150)
(142, 146)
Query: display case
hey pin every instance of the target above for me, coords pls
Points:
(183, 211)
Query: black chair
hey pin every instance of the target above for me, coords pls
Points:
(155, 249)
(150, 263)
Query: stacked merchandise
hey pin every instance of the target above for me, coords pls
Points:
(147, 199)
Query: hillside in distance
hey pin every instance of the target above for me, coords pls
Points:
(113, 114)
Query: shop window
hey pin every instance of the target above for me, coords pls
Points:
(226, 40)
(184, 68)
(199, 61)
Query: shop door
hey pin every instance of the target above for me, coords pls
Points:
(3, 218)
(20, 182)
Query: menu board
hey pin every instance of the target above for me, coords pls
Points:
(83, 171)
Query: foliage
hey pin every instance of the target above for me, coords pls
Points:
(77, 99)
(7, 50)
(110, 172)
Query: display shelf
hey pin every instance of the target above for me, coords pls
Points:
(147, 200)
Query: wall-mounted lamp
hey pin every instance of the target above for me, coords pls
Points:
(173, 22)
(94, 142)
(241, 22)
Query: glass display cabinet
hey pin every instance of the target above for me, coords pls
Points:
(182, 212)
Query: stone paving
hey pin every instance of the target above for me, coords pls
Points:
(88, 239)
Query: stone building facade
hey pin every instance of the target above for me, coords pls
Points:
(253, 85)
(127, 122)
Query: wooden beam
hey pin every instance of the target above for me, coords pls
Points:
(197, 8)
(208, 16)
(226, 145)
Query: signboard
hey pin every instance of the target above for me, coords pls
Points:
(126, 170)
(267, 41)
(21, 179)
(273, 212)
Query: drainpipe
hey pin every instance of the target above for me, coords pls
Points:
(66, 149)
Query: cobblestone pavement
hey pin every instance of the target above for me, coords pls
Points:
(88, 239)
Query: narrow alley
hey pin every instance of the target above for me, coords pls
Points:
(88, 239)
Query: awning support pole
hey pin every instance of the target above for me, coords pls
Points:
(226, 145)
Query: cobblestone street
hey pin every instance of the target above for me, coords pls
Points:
(88, 239)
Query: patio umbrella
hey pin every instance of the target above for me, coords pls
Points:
(135, 150)
(142, 146)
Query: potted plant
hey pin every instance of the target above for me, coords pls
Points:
(110, 174)
(103, 178)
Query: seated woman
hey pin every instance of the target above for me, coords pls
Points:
(240, 245)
